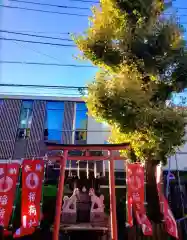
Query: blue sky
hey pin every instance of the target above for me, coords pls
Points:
(19, 20)
(53, 25)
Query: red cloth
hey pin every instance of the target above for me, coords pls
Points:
(169, 220)
(20, 232)
(135, 198)
(32, 178)
(8, 179)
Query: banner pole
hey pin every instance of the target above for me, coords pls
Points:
(59, 196)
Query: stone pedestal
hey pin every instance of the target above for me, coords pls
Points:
(83, 208)
(69, 218)
(97, 217)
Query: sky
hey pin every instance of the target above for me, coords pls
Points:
(51, 25)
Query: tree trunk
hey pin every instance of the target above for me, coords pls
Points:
(152, 199)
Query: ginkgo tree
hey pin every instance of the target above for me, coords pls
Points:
(140, 54)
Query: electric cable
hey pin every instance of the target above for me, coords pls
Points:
(49, 5)
(36, 51)
(61, 13)
(41, 86)
(43, 11)
(41, 32)
(47, 64)
(84, 1)
(37, 42)
(35, 35)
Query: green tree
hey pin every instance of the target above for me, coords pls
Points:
(141, 58)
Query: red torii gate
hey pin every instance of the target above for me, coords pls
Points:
(109, 148)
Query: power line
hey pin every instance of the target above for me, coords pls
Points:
(47, 64)
(41, 32)
(34, 35)
(50, 5)
(36, 51)
(65, 6)
(45, 32)
(84, 1)
(41, 86)
(41, 94)
(61, 13)
(43, 11)
(36, 42)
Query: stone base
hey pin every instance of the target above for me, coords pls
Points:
(69, 218)
(97, 217)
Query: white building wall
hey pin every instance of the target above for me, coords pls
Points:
(98, 133)
(178, 161)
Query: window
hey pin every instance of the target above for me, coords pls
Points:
(81, 120)
(54, 121)
(25, 120)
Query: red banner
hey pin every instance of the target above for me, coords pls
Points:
(8, 179)
(32, 177)
(135, 198)
(169, 220)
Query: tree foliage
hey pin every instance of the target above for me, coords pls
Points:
(142, 60)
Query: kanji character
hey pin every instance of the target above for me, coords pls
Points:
(3, 200)
(136, 196)
(135, 183)
(2, 222)
(31, 223)
(12, 171)
(27, 168)
(32, 210)
(49, 163)
(32, 196)
(2, 213)
(138, 206)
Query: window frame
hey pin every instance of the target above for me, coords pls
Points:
(23, 132)
(82, 130)
(51, 108)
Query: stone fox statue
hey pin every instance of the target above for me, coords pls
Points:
(69, 205)
(97, 202)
